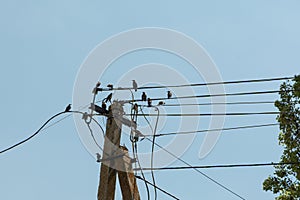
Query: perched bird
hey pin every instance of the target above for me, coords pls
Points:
(103, 105)
(98, 157)
(108, 98)
(169, 94)
(110, 86)
(98, 109)
(144, 97)
(134, 85)
(135, 107)
(138, 134)
(160, 103)
(96, 89)
(68, 108)
(85, 116)
(149, 102)
(98, 84)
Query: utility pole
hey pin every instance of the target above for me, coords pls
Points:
(116, 160)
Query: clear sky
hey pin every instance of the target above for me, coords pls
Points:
(43, 44)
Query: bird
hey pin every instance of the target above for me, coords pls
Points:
(104, 106)
(144, 97)
(110, 86)
(68, 108)
(135, 107)
(138, 134)
(98, 157)
(134, 85)
(96, 89)
(160, 103)
(169, 94)
(98, 84)
(108, 98)
(149, 102)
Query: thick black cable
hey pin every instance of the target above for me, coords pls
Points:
(210, 114)
(222, 166)
(164, 191)
(204, 84)
(197, 170)
(30, 137)
(210, 130)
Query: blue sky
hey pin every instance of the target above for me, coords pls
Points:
(43, 45)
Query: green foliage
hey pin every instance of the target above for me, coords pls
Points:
(286, 179)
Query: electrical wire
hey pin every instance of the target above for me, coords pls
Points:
(142, 172)
(164, 191)
(186, 163)
(198, 171)
(219, 103)
(34, 134)
(212, 95)
(204, 84)
(43, 128)
(152, 150)
(210, 130)
(94, 139)
(210, 114)
(221, 166)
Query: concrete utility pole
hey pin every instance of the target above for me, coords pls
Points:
(116, 160)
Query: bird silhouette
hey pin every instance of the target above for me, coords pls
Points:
(160, 103)
(108, 98)
(169, 94)
(104, 106)
(144, 97)
(149, 102)
(138, 134)
(98, 157)
(68, 108)
(110, 86)
(134, 85)
(98, 84)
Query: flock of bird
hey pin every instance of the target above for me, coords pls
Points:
(135, 88)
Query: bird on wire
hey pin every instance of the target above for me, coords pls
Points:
(169, 94)
(96, 89)
(149, 102)
(134, 85)
(98, 157)
(144, 97)
(110, 86)
(160, 103)
(68, 108)
(108, 98)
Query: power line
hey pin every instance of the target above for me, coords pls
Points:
(219, 103)
(203, 84)
(43, 128)
(183, 161)
(152, 149)
(209, 114)
(30, 137)
(212, 95)
(164, 191)
(198, 171)
(221, 166)
(211, 130)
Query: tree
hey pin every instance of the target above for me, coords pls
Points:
(286, 179)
